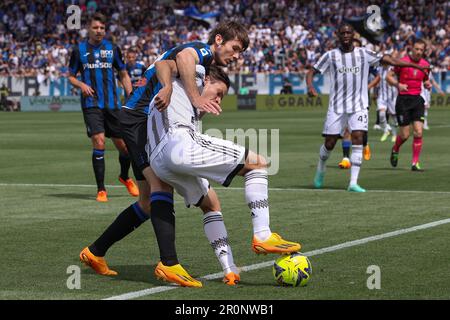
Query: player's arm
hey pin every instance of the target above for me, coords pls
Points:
(165, 71)
(374, 82)
(119, 65)
(390, 60)
(309, 82)
(74, 68)
(392, 80)
(126, 81)
(436, 85)
(186, 61)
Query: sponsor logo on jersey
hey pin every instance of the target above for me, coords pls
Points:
(354, 70)
(97, 65)
(106, 53)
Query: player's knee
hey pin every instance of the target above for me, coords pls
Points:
(98, 142)
(144, 205)
(329, 144)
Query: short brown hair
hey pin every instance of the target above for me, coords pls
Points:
(420, 41)
(217, 73)
(97, 17)
(230, 30)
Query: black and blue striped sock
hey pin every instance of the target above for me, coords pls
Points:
(163, 220)
(126, 222)
(98, 163)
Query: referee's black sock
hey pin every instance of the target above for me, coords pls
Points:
(124, 160)
(128, 220)
(163, 220)
(98, 163)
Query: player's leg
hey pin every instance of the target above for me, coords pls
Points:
(425, 117)
(404, 118)
(384, 123)
(126, 222)
(95, 126)
(377, 125)
(418, 118)
(346, 145)
(125, 163)
(257, 197)
(114, 131)
(217, 235)
(358, 123)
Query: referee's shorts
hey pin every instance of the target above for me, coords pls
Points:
(409, 108)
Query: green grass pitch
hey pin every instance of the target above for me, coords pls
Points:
(48, 213)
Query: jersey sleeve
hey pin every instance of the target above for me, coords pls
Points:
(204, 54)
(118, 63)
(372, 57)
(74, 62)
(324, 63)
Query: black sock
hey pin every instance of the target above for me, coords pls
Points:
(98, 163)
(125, 163)
(346, 145)
(163, 220)
(125, 223)
(365, 138)
(378, 117)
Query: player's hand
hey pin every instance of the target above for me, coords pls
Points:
(427, 85)
(207, 105)
(87, 91)
(402, 87)
(312, 92)
(162, 99)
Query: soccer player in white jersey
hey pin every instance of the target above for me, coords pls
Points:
(387, 95)
(426, 95)
(349, 70)
(186, 159)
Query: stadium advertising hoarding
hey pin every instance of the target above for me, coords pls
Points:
(48, 103)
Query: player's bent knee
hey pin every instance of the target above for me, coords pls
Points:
(255, 161)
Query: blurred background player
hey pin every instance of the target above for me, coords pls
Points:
(409, 106)
(426, 95)
(374, 80)
(135, 69)
(96, 59)
(348, 67)
(387, 96)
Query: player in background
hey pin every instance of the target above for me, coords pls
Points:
(387, 96)
(346, 138)
(348, 67)
(95, 59)
(426, 95)
(186, 159)
(409, 106)
(135, 69)
(225, 44)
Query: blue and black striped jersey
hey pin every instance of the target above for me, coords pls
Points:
(96, 63)
(149, 86)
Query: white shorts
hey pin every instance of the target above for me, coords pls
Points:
(386, 104)
(189, 159)
(336, 123)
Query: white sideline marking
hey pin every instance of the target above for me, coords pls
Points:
(50, 185)
(146, 292)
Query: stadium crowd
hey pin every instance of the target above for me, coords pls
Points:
(286, 36)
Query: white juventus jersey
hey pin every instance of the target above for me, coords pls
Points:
(180, 113)
(349, 77)
(386, 92)
(426, 94)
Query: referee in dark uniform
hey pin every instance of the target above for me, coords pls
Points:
(95, 59)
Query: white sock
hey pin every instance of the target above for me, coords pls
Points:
(257, 197)
(356, 160)
(218, 238)
(383, 121)
(425, 122)
(394, 124)
(324, 154)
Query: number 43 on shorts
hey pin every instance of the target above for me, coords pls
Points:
(363, 118)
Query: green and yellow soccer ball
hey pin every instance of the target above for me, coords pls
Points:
(292, 270)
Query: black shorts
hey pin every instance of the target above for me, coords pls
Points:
(409, 108)
(134, 133)
(102, 120)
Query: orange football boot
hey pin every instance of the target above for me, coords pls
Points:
(98, 264)
(232, 279)
(274, 244)
(132, 188)
(102, 196)
(176, 274)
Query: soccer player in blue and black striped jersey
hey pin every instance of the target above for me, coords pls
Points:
(95, 59)
(135, 69)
